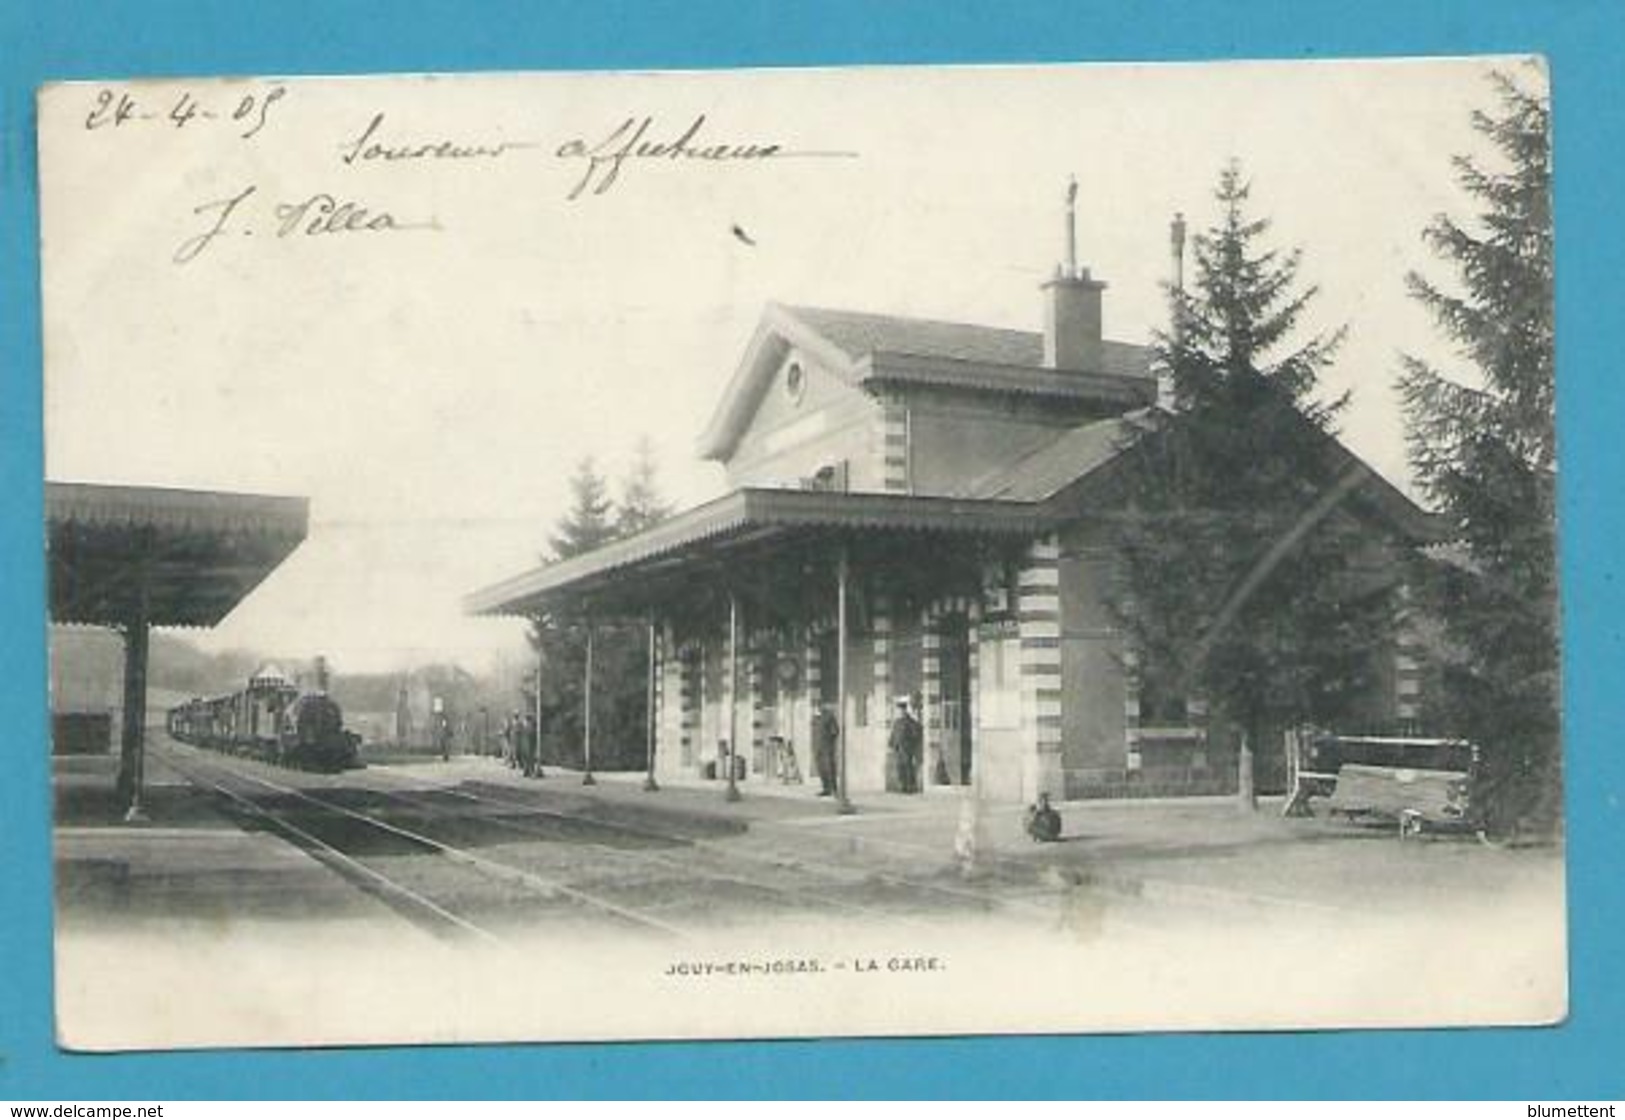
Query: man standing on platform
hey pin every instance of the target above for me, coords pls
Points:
(510, 741)
(826, 738)
(530, 747)
(442, 735)
(904, 747)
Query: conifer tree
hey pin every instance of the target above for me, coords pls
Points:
(1481, 441)
(1237, 577)
(619, 650)
(626, 661)
(559, 639)
(590, 521)
(641, 504)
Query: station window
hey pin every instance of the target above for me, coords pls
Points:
(1160, 704)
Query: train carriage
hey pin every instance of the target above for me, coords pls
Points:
(272, 720)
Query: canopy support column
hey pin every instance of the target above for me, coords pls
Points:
(536, 713)
(132, 775)
(649, 783)
(843, 803)
(733, 695)
(586, 717)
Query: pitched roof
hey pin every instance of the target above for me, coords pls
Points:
(1076, 453)
(1020, 499)
(858, 334)
(1079, 452)
(865, 349)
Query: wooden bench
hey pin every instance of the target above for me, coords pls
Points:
(1416, 799)
(1419, 783)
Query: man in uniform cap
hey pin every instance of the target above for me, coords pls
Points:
(904, 747)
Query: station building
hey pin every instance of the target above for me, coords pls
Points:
(917, 509)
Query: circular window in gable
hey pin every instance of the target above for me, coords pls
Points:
(795, 381)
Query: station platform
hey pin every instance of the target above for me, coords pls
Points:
(196, 928)
(1202, 852)
(192, 857)
(188, 861)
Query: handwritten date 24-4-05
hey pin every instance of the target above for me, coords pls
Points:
(315, 215)
(115, 108)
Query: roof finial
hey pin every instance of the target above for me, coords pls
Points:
(1176, 239)
(1166, 393)
(1072, 227)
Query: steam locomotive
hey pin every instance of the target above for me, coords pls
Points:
(272, 720)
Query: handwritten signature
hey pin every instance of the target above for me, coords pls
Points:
(316, 215)
(603, 164)
(633, 140)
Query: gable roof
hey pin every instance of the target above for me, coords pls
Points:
(1030, 496)
(1074, 454)
(857, 333)
(868, 350)
(1079, 452)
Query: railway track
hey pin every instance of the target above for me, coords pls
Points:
(643, 858)
(412, 902)
(637, 873)
(786, 890)
(959, 895)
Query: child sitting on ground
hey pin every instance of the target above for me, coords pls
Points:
(1042, 821)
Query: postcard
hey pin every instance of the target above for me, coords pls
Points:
(798, 553)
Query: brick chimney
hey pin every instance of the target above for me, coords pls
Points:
(1072, 327)
(1072, 320)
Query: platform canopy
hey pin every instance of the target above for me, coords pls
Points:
(170, 557)
(728, 536)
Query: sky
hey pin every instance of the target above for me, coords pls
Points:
(430, 387)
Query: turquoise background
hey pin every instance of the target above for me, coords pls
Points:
(1583, 41)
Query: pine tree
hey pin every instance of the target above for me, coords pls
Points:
(1238, 581)
(641, 504)
(559, 640)
(590, 522)
(1481, 442)
(619, 651)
